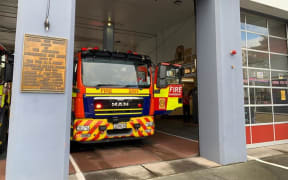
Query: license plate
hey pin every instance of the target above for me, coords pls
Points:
(120, 126)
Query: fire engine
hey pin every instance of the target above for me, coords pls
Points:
(115, 95)
(6, 74)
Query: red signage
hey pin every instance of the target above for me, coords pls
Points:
(175, 90)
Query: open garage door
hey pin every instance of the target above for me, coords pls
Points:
(162, 30)
(165, 31)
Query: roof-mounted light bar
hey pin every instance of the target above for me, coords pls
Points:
(89, 48)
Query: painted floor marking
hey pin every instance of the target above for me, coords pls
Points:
(177, 136)
(79, 175)
(265, 162)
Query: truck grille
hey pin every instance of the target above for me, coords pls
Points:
(113, 106)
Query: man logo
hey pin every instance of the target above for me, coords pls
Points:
(120, 104)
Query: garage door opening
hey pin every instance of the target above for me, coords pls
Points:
(165, 31)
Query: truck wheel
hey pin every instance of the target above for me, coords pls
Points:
(3, 131)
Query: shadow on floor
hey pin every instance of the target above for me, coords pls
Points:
(175, 125)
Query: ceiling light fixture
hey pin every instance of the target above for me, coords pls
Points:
(178, 2)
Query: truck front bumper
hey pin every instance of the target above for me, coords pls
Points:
(91, 130)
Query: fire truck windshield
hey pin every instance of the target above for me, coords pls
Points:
(114, 73)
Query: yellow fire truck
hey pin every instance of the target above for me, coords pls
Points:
(6, 74)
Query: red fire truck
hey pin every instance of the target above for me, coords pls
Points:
(116, 98)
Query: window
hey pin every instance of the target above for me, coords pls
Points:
(242, 21)
(246, 96)
(173, 75)
(279, 62)
(265, 69)
(278, 45)
(258, 59)
(247, 115)
(277, 28)
(256, 23)
(279, 79)
(243, 39)
(260, 96)
(280, 96)
(261, 115)
(244, 58)
(99, 72)
(259, 77)
(245, 77)
(257, 42)
(280, 113)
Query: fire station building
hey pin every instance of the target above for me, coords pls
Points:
(234, 51)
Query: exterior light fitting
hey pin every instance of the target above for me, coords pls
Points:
(47, 24)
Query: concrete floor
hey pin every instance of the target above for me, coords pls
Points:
(161, 154)
(165, 156)
(200, 168)
(176, 126)
(157, 148)
(143, 156)
(150, 170)
(251, 170)
(271, 164)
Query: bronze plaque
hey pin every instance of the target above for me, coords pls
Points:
(44, 64)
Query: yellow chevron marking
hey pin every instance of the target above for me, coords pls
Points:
(103, 135)
(135, 109)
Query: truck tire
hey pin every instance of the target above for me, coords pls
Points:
(3, 130)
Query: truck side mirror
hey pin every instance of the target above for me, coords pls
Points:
(8, 73)
(162, 72)
(74, 78)
(75, 72)
(162, 83)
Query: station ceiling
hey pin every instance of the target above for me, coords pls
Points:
(134, 21)
(8, 17)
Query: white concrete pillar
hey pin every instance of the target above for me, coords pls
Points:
(39, 132)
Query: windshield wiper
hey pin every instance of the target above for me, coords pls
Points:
(123, 86)
(130, 85)
(104, 85)
(114, 85)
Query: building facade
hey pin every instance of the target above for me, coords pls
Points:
(259, 74)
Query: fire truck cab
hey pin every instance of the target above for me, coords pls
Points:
(115, 96)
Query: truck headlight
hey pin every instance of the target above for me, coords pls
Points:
(149, 124)
(148, 130)
(83, 128)
(85, 135)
